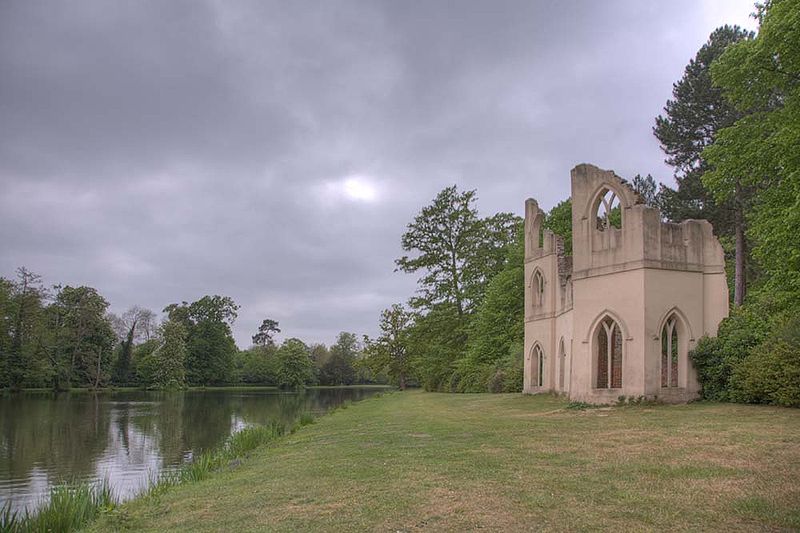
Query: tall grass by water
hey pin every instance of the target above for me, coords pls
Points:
(69, 507)
(72, 506)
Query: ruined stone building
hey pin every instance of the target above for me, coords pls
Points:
(619, 316)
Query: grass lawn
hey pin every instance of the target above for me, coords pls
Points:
(414, 460)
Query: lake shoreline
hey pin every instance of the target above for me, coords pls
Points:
(412, 460)
(223, 388)
(129, 437)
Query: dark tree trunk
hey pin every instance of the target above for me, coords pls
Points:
(740, 276)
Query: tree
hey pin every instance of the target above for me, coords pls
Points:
(646, 188)
(455, 249)
(436, 341)
(259, 365)
(211, 353)
(210, 343)
(761, 79)
(266, 333)
(559, 221)
(697, 112)
(389, 353)
(500, 319)
(26, 301)
(339, 369)
(84, 339)
(134, 326)
(169, 359)
(294, 364)
(6, 321)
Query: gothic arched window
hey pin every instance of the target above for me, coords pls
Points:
(608, 342)
(537, 286)
(608, 212)
(537, 367)
(669, 353)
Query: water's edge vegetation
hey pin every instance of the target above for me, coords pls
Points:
(71, 506)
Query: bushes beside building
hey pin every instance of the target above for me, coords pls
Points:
(754, 359)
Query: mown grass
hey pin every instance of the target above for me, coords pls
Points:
(418, 460)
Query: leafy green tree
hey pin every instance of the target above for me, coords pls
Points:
(760, 79)
(389, 353)
(559, 221)
(143, 364)
(211, 353)
(339, 368)
(295, 368)
(211, 348)
(499, 322)
(84, 339)
(436, 342)
(6, 320)
(692, 120)
(456, 250)
(169, 359)
(458, 253)
(319, 355)
(26, 299)
(266, 333)
(258, 365)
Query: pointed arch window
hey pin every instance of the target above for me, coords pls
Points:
(608, 212)
(537, 286)
(538, 366)
(608, 342)
(669, 353)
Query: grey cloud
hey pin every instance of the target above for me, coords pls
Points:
(165, 150)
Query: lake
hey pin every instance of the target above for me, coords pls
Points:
(130, 437)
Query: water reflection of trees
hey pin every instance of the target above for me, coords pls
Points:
(66, 434)
(60, 434)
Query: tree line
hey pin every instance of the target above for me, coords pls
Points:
(731, 132)
(64, 337)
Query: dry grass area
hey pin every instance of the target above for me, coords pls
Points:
(420, 461)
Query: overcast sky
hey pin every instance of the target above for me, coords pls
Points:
(274, 152)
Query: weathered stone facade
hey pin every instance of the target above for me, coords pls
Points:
(619, 316)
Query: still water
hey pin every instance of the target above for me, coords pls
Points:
(130, 437)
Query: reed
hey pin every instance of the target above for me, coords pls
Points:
(69, 507)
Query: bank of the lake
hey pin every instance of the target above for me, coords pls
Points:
(502, 462)
(127, 437)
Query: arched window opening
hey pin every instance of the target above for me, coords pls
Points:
(562, 361)
(538, 289)
(669, 353)
(538, 366)
(609, 355)
(609, 212)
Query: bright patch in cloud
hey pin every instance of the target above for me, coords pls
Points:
(359, 188)
(354, 188)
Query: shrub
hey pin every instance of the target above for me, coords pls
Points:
(716, 358)
(771, 371)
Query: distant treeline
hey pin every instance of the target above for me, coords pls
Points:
(732, 135)
(64, 337)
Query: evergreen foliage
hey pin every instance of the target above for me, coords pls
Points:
(755, 357)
